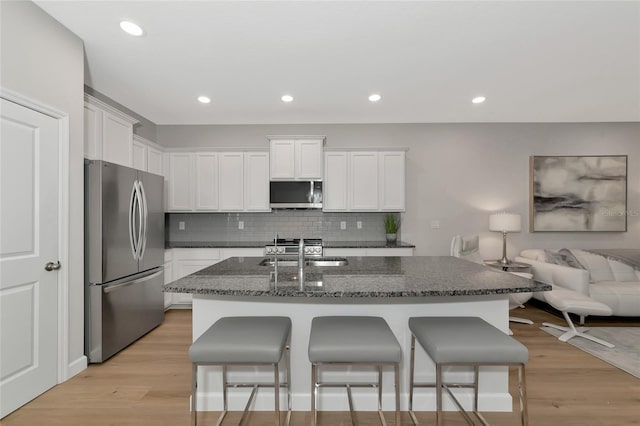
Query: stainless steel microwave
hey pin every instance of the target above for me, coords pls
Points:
(295, 194)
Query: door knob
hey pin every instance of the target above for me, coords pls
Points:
(50, 266)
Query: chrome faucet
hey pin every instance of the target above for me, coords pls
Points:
(275, 259)
(301, 265)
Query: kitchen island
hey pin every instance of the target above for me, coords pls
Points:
(395, 288)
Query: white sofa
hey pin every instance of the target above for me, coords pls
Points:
(613, 283)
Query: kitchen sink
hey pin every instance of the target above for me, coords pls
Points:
(319, 262)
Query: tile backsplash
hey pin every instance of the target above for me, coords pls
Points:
(264, 226)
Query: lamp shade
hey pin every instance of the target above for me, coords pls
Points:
(505, 222)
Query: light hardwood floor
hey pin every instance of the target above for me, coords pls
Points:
(148, 384)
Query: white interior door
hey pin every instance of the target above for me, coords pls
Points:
(29, 149)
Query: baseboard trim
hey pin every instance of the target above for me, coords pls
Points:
(76, 367)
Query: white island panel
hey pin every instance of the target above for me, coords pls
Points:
(494, 395)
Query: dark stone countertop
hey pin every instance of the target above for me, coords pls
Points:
(261, 244)
(364, 277)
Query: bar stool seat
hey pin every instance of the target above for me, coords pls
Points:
(244, 341)
(464, 341)
(353, 340)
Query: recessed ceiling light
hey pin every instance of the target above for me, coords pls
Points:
(478, 99)
(287, 98)
(375, 97)
(204, 99)
(131, 28)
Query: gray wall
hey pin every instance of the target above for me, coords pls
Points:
(43, 60)
(145, 127)
(458, 173)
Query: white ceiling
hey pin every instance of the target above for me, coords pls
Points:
(534, 61)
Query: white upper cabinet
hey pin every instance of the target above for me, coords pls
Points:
(296, 158)
(206, 181)
(147, 156)
(154, 161)
(308, 163)
(256, 181)
(117, 139)
(179, 181)
(217, 181)
(334, 190)
(92, 132)
(364, 180)
(108, 133)
(140, 151)
(282, 159)
(392, 180)
(231, 181)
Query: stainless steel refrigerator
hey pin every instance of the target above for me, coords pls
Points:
(124, 256)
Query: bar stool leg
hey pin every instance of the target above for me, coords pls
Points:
(439, 415)
(476, 380)
(522, 385)
(224, 388)
(411, 379)
(288, 360)
(194, 388)
(276, 392)
(379, 388)
(314, 418)
(396, 371)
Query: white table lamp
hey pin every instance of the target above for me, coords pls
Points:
(505, 222)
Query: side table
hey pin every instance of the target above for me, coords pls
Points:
(511, 267)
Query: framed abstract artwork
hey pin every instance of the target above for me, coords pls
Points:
(578, 193)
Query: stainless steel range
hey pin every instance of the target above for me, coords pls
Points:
(290, 246)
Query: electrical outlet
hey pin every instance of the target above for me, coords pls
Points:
(240, 224)
(359, 224)
(181, 225)
(343, 225)
(435, 224)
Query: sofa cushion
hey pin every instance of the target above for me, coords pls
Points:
(622, 272)
(598, 266)
(534, 254)
(622, 297)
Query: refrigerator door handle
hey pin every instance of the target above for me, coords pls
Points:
(112, 288)
(132, 231)
(143, 205)
(140, 221)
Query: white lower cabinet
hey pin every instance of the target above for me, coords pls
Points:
(168, 277)
(183, 262)
(241, 252)
(361, 252)
(187, 261)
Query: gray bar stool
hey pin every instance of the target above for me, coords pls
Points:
(339, 340)
(466, 341)
(235, 341)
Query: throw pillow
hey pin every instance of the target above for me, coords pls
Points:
(554, 257)
(598, 266)
(570, 259)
